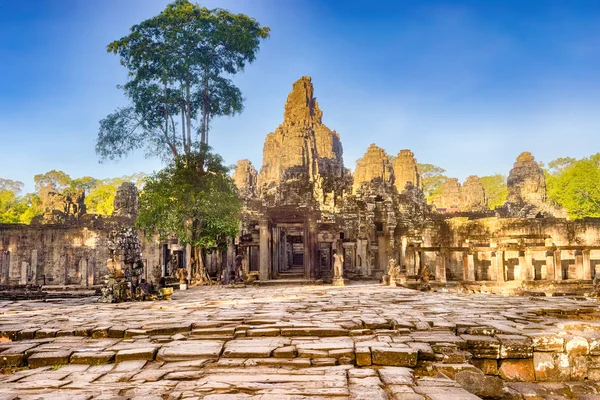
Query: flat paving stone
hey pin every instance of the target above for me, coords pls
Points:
(360, 341)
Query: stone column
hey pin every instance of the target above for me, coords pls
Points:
(83, 267)
(382, 255)
(529, 267)
(418, 261)
(549, 266)
(587, 265)
(13, 260)
(313, 247)
(275, 265)
(440, 268)
(23, 277)
(34, 263)
(578, 264)
(520, 268)
(265, 259)
(500, 274)
(493, 271)
(469, 266)
(558, 275)
(404, 244)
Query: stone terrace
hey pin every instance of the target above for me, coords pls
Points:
(303, 342)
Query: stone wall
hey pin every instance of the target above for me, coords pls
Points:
(59, 255)
(74, 251)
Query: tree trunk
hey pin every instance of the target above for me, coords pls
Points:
(189, 112)
(200, 274)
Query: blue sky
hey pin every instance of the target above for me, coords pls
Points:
(466, 85)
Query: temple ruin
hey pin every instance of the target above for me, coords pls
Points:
(303, 207)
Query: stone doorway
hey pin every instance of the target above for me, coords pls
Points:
(289, 258)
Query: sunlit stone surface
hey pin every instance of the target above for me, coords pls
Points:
(362, 341)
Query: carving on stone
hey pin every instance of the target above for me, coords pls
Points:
(526, 182)
(393, 271)
(302, 158)
(374, 166)
(472, 195)
(62, 208)
(245, 178)
(406, 171)
(526, 186)
(126, 201)
(449, 198)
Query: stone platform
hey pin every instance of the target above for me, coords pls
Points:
(302, 342)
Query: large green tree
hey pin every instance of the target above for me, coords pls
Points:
(195, 199)
(495, 189)
(180, 63)
(433, 177)
(574, 185)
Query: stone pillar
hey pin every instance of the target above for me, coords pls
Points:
(265, 255)
(558, 275)
(493, 271)
(34, 264)
(275, 266)
(83, 267)
(587, 265)
(382, 255)
(13, 260)
(403, 246)
(529, 267)
(313, 254)
(549, 266)
(468, 266)
(418, 262)
(23, 277)
(440, 268)
(500, 274)
(520, 268)
(578, 264)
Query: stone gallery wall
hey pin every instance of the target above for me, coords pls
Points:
(61, 248)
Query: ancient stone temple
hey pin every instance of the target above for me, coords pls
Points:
(305, 207)
(67, 246)
(472, 195)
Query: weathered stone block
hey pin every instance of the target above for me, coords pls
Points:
(363, 356)
(146, 353)
(515, 346)
(482, 346)
(43, 359)
(92, 357)
(486, 365)
(285, 352)
(547, 342)
(399, 357)
(479, 384)
(577, 346)
(520, 370)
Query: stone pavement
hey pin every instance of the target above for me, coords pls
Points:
(362, 341)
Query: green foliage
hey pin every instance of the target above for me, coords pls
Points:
(193, 198)
(56, 181)
(433, 177)
(557, 166)
(573, 185)
(179, 63)
(100, 199)
(100, 194)
(495, 189)
(13, 186)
